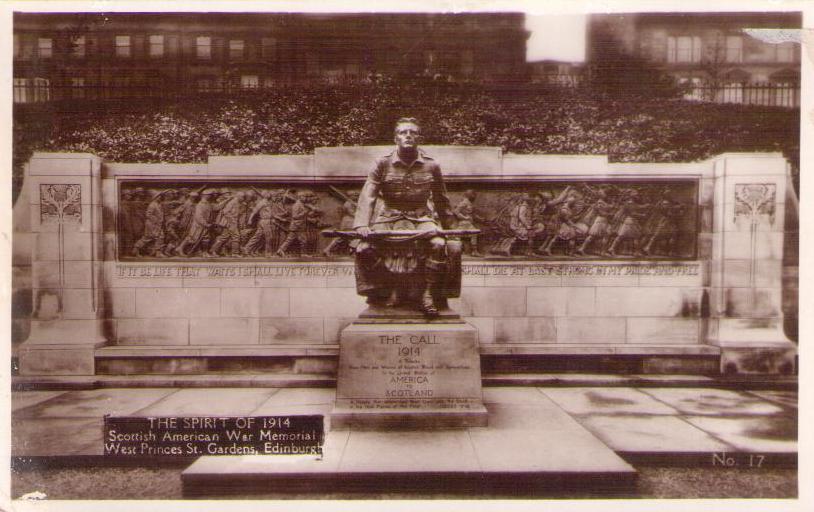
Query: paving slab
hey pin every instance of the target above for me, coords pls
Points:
(786, 398)
(704, 401)
(537, 438)
(95, 403)
(417, 451)
(272, 409)
(606, 401)
(513, 395)
(23, 399)
(208, 402)
(303, 396)
(650, 434)
(764, 434)
(54, 436)
(507, 418)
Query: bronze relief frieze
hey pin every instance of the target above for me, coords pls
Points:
(537, 220)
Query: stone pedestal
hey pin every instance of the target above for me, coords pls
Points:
(66, 223)
(408, 376)
(746, 314)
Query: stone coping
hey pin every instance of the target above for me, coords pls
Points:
(217, 351)
(333, 350)
(458, 162)
(596, 349)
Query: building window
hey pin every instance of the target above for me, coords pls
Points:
(16, 46)
(42, 90)
(236, 47)
(45, 47)
(122, 46)
(203, 47)
(20, 90)
(269, 48)
(208, 85)
(78, 47)
(249, 82)
(785, 52)
(77, 88)
(156, 46)
(684, 49)
(734, 49)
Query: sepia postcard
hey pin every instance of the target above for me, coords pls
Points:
(476, 255)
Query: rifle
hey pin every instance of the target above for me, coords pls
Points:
(335, 233)
(341, 195)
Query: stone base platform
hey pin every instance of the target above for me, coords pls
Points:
(381, 315)
(531, 447)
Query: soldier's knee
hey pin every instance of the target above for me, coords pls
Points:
(437, 243)
(363, 248)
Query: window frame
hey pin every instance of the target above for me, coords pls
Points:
(151, 46)
(79, 47)
(691, 54)
(41, 54)
(236, 53)
(119, 48)
(733, 58)
(199, 46)
(788, 49)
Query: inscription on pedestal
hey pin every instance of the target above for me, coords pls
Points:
(427, 368)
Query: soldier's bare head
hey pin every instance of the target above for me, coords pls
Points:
(407, 133)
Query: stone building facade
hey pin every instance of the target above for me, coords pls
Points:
(77, 56)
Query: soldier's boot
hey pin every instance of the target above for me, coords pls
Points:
(581, 250)
(473, 247)
(394, 299)
(612, 248)
(281, 251)
(431, 297)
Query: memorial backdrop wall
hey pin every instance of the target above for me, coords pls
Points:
(576, 255)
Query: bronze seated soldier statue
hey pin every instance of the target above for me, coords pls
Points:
(405, 261)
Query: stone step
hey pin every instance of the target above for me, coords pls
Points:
(692, 359)
(282, 380)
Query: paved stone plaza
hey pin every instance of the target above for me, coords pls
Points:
(632, 421)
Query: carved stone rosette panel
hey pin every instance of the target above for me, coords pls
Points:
(753, 200)
(518, 220)
(60, 203)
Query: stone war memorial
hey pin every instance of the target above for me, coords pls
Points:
(192, 268)
(403, 276)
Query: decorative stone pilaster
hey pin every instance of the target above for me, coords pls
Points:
(66, 223)
(746, 316)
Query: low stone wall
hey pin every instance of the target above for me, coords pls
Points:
(98, 281)
(309, 303)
